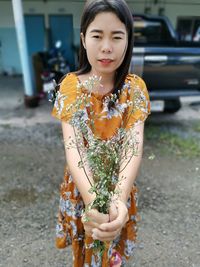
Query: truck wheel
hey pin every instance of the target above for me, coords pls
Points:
(172, 105)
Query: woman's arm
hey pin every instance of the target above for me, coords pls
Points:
(73, 158)
(129, 173)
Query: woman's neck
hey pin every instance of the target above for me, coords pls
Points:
(107, 80)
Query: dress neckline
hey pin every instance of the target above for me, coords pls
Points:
(97, 95)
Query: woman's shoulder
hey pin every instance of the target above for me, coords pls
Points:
(137, 83)
(68, 86)
(69, 80)
(133, 78)
(140, 103)
(65, 97)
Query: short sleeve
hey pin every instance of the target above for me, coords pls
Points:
(139, 107)
(65, 97)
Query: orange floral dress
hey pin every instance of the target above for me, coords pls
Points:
(134, 106)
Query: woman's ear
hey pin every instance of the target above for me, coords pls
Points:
(83, 40)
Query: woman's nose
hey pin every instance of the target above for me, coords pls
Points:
(106, 47)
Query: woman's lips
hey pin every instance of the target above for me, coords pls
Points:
(105, 61)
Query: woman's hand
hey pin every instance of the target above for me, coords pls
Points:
(93, 219)
(110, 230)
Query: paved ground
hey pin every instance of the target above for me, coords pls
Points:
(31, 168)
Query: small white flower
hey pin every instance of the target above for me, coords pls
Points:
(152, 156)
(92, 84)
(59, 102)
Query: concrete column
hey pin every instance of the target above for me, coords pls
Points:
(23, 51)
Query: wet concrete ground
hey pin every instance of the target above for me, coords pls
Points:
(31, 169)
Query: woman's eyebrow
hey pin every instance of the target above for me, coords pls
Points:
(113, 32)
(118, 32)
(96, 30)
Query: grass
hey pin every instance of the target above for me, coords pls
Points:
(172, 143)
(196, 127)
(6, 126)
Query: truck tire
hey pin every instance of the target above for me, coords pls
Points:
(172, 105)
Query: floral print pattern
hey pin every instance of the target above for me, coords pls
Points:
(132, 107)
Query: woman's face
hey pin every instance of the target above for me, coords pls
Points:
(105, 41)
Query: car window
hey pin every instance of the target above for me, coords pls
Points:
(150, 32)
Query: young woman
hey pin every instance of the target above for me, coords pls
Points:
(105, 50)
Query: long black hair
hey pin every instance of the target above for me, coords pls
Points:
(121, 10)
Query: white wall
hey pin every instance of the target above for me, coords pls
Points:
(6, 14)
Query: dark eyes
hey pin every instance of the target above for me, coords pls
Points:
(117, 38)
(98, 37)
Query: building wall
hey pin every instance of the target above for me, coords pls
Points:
(9, 56)
(47, 8)
(187, 8)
